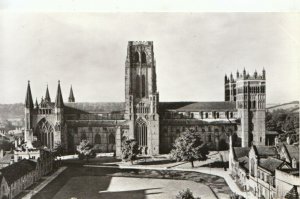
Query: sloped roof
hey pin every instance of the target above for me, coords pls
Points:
(265, 151)
(23, 167)
(95, 123)
(244, 163)
(198, 106)
(293, 151)
(292, 194)
(6, 158)
(96, 107)
(270, 163)
(240, 151)
(177, 122)
(108, 107)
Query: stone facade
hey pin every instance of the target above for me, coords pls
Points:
(154, 124)
(249, 93)
(266, 171)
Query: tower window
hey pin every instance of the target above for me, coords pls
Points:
(144, 60)
(136, 58)
(137, 84)
(143, 86)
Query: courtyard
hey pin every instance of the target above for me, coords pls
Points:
(82, 182)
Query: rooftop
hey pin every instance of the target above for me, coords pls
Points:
(244, 163)
(240, 151)
(23, 167)
(270, 163)
(198, 106)
(265, 151)
(95, 107)
(293, 151)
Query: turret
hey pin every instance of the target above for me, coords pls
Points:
(255, 74)
(59, 103)
(226, 79)
(71, 96)
(36, 103)
(47, 96)
(28, 114)
(264, 74)
(237, 74)
(28, 98)
(244, 73)
(59, 127)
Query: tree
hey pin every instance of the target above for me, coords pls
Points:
(130, 150)
(58, 150)
(189, 147)
(85, 150)
(186, 194)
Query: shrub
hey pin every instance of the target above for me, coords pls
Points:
(130, 150)
(186, 194)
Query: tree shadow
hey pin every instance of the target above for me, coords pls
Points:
(84, 180)
(157, 162)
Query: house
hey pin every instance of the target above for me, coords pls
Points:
(266, 171)
(14, 182)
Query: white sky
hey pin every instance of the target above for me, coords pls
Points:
(193, 51)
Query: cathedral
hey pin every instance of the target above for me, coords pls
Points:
(154, 124)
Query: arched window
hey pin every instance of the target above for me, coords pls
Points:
(177, 133)
(144, 60)
(252, 167)
(111, 139)
(206, 115)
(209, 138)
(143, 86)
(136, 58)
(97, 139)
(44, 132)
(137, 84)
(141, 132)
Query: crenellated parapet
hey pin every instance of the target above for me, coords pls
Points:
(245, 76)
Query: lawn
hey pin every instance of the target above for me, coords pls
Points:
(90, 182)
(128, 188)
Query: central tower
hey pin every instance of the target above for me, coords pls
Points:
(141, 96)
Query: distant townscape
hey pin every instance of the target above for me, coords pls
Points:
(258, 144)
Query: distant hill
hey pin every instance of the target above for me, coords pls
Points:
(11, 111)
(8, 111)
(293, 107)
